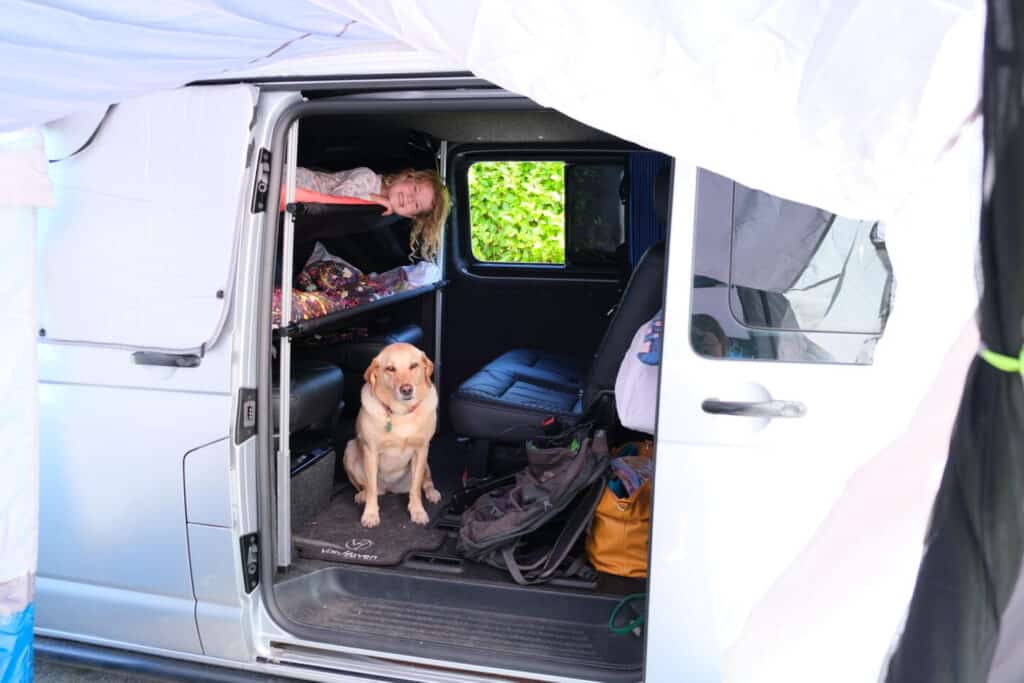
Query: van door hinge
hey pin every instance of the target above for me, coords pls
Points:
(262, 183)
(246, 424)
(250, 544)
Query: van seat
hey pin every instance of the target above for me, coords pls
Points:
(509, 398)
(512, 395)
(316, 392)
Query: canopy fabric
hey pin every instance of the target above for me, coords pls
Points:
(788, 97)
(68, 55)
(840, 105)
(976, 535)
(23, 187)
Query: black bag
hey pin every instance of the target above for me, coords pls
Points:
(531, 526)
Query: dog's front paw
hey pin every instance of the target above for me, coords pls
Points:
(433, 495)
(360, 497)
(371, 518)
(419, 515)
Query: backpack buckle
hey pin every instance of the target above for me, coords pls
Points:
(551, 426)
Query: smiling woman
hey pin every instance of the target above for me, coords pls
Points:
(419, 195)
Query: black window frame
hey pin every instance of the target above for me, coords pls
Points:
(464, 156)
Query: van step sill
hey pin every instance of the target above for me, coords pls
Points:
(525, 624)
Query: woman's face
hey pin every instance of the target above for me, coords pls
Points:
(410, 198)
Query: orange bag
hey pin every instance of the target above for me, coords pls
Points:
(620, 534)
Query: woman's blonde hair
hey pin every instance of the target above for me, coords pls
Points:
(425, 237)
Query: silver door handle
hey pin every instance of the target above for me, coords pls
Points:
(754, 408)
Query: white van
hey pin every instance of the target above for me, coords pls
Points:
(188, 519)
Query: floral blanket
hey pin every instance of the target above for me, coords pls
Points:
(328, 284)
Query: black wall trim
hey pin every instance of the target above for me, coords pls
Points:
(125, 661)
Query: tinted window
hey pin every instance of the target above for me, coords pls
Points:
(594, 213)
(779, 280)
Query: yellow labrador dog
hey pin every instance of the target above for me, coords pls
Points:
(397, 419)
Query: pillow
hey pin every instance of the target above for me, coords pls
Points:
(636, 385)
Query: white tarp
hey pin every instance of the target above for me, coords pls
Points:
(850, 105)
(842, 105)
(23, 188)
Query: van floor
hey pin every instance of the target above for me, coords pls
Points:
(474, 611)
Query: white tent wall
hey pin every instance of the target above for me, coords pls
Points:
(840, 105)
(859, 107)
(67, 55)
(23, 187)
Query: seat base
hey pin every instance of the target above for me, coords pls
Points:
(512, 395)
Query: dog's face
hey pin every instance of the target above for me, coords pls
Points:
(400, 372)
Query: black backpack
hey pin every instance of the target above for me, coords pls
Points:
(530, 526)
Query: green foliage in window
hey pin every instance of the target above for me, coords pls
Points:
(517, 211)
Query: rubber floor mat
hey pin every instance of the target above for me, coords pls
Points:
(335, 535)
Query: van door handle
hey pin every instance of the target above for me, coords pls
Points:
(170, 360)
(754, 408)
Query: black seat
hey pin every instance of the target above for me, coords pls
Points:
(509, 398)
(354, 356)
(512, 394)
(315, 400)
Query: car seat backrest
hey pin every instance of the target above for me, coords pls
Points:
(640, 301)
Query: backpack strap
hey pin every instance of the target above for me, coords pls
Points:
(545, 567)
(575, 526)
(508, 554)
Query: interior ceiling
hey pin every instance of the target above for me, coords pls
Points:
(470, 126)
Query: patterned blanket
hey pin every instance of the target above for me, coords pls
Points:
(324, 287)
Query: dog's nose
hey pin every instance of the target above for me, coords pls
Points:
(406, 389)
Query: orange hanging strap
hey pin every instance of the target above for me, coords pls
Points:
(309, 197)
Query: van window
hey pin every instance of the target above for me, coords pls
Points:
(517, 211)
(780, 280)
(546, 212)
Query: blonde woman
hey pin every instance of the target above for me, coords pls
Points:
(418, 195)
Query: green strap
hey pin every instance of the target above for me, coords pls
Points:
(634, 625)
(1004, 363)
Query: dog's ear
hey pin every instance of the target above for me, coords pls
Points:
(370, 376)
(428, 369)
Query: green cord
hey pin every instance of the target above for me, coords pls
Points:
(1004, 363)
(632, 626)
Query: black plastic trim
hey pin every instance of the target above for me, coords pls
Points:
(262, 182)
(250, 547)
(170, 360)
(159, 668)
(245, 424)
(341, 82)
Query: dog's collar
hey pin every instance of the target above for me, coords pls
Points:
(387, 409)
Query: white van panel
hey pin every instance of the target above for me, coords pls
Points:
(114, 617)
(112, 508)
(141, 238)
(216, 576)
(207, 488)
